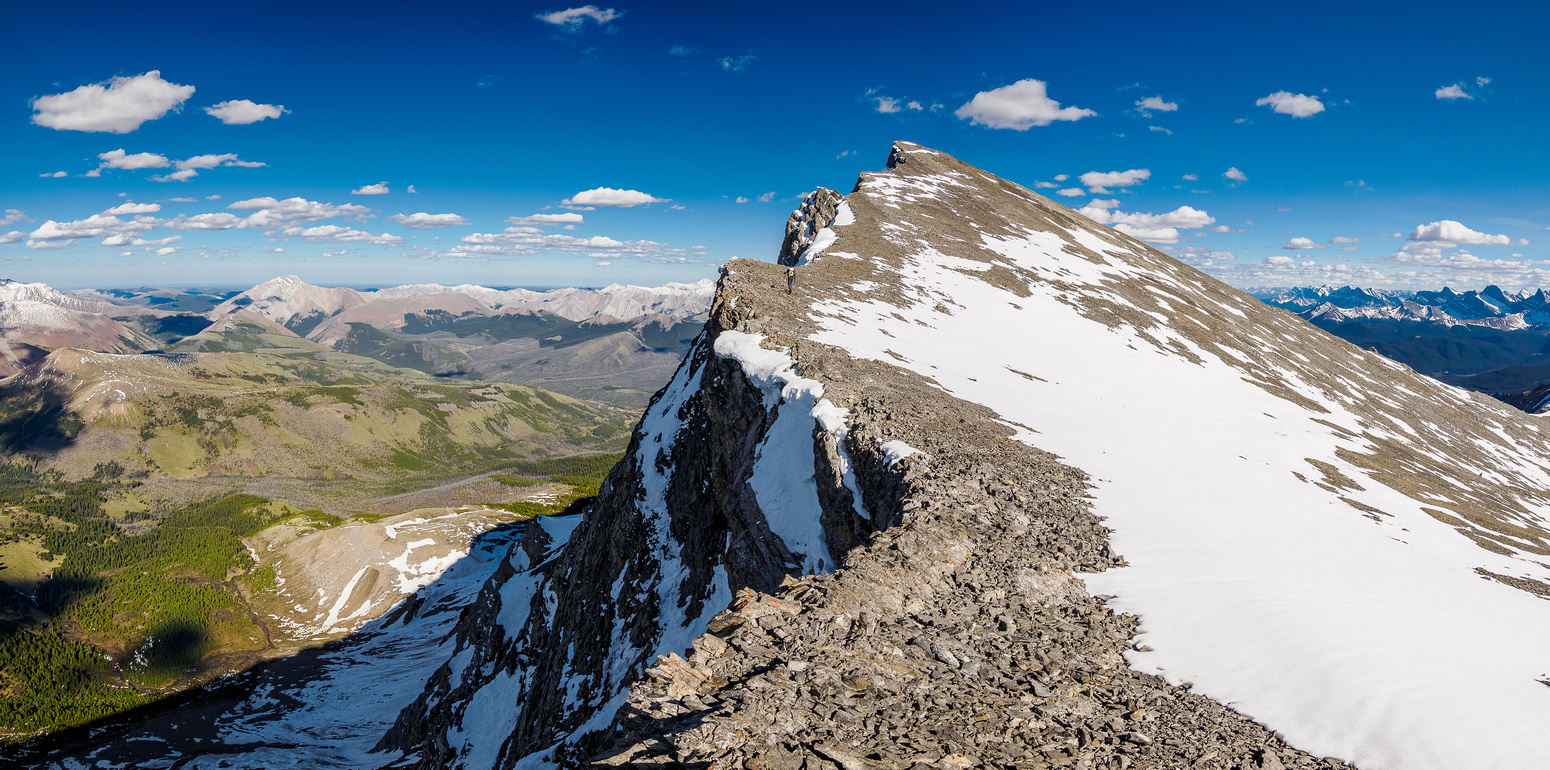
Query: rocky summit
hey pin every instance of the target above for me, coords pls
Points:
(995, 486)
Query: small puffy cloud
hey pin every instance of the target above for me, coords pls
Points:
(572, 19)
(212, 197)
(608, 196)
(1152, 228)
(15, 236)
(184, 200)
(55, 175)
(736, 63)
(181, 175)
(1019, 106)
(410, 189)
(767, 197)
(1455, 91)
(12, 216)
(217, 221)
(424, 221)
(96, 226)
(240, 112)
(1234, 175)
(1062, 177)
(1482, 80)
(546, 220)
(741, 199)
(338, 234)
(1099, 181)
(1449, 231)
(380, 188)
(121, 159)
(270, 211)
(1199, 256)
(1301, 244)
(131, 208)
(604, 263)
(886, 104)
(277, 250)
(125, 240)
(1296, 105)
(1191, 178)
(1071, 192)
(1342, 239)
(1044, 185)
(1221, 229)
(115, 106)
(1155, 104)
(168, 250)
(1523, 242)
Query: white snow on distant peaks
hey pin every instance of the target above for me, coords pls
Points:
(894, 452)
(783, 477)
(1369, 639)
(675, 299)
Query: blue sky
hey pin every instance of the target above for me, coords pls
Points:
(1395, 145)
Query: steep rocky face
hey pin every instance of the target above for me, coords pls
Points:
(839, 539)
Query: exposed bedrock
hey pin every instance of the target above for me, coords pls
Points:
(688, 621)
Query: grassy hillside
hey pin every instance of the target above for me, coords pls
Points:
(291, 412)
(145, 604)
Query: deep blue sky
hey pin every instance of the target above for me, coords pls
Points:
(491, 112)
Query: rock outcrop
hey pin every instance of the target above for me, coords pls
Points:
(826, 550)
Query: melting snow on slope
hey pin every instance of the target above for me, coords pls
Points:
(1374, 642)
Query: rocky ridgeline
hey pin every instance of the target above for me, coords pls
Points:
(953, 633)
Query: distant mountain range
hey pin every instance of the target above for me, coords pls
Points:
(1491, 307)
(631, 333)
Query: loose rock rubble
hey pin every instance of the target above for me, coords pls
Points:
(959, 638)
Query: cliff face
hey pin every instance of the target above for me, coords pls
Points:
(840, 540)
(737, 477)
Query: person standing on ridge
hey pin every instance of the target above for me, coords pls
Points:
(791, 278)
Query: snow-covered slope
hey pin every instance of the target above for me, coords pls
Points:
(37, 314)
(1345, 550)
(679, 300)
(288, 297)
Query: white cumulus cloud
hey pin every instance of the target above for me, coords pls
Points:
(1296, 105)
(1449, 231)
(12, 216)
(1152, 228)
(1301, 244)
(55, 175)
(1232, 173)
(1019, 106)
(1155, 104)
(608, 196)
(271, 211)
(240, 112)
(115, 106)
(121, 159)
(546, 220)
(380, 188)
(338, 234)
(1455, 91)
(572, 19)
(130, 208)
(424, 221)
(1100, 181)
(95, 226)
(1071, 192)
(217, 221)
